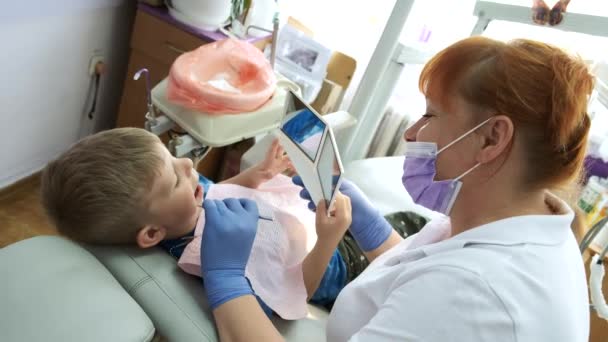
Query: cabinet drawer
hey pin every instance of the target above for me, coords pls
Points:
(160, 40)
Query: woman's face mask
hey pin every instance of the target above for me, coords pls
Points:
(419, 170)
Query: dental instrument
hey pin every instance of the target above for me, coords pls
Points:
(259, 216)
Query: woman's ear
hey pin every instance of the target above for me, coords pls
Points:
(150, 236)
(497, 137)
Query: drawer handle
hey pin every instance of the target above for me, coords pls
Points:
(174, 48)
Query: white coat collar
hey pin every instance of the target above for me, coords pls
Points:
(531, 229)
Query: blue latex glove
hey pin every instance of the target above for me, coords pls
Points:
(368, 227)
(230, 228)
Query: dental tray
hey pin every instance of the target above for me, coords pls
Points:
(221, 130)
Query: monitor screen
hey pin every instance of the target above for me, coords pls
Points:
(303, 126)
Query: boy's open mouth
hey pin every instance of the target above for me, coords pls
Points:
(198, 190)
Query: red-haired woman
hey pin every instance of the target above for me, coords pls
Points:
(506, 126)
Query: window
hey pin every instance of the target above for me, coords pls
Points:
(351, 27)
(434, 24)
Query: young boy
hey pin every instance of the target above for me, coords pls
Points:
(122, 186)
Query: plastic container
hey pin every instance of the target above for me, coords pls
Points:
(206, 15)
(599, 211)
(224, 77)
(593, 198)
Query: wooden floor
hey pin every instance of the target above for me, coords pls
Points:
(21, 214)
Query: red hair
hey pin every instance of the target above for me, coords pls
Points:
(542, 89)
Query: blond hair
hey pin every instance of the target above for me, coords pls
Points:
(95, 191)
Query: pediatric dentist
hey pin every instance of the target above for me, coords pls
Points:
(506, 125)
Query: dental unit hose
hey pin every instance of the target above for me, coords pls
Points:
(151, 115)
(596, 269)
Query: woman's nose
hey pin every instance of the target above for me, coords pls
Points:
(411, 133)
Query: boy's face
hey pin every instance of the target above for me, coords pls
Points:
(175, 197)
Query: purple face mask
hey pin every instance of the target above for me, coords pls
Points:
(419, 175)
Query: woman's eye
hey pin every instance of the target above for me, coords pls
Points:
(427, 115)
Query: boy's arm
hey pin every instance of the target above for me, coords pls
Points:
(274, 163)
(252, 178)
(330, 230)
(315, 264)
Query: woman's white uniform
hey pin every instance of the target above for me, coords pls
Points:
(517, 279)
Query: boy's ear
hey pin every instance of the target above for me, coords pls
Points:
(150, 236)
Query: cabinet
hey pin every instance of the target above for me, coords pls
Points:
(156, 42)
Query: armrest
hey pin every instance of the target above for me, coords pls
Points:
(175, 301)
(54, 290)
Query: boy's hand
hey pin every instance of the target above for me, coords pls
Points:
(369, 228)
(333, 227)
(275, 162)
(330, 231)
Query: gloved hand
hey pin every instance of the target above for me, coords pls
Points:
(368, 227)
(230, 228)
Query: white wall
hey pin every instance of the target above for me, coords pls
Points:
(44, 81)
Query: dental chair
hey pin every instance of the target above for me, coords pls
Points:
(56, 290)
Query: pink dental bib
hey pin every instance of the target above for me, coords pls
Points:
(275, 265)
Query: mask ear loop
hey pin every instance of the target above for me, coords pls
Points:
(463, 136)
(466, 172)
(460, 138)
(456, 185)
